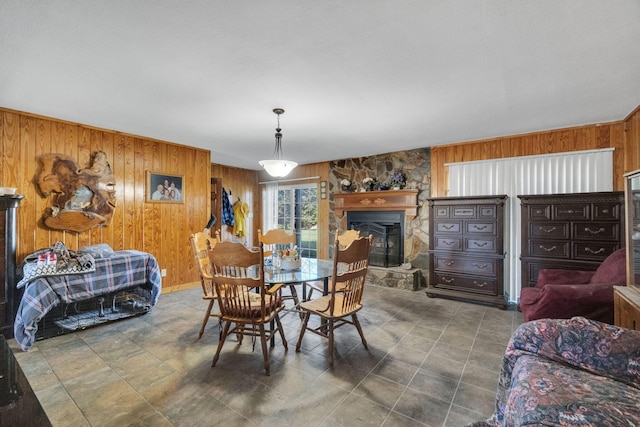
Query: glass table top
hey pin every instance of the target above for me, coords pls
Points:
(311, 269)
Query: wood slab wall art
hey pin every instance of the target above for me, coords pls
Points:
(81, 199)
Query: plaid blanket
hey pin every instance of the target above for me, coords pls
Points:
(125, 269)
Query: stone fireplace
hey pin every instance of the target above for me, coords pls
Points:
(385, 215)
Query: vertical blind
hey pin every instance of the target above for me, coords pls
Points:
(572, 172)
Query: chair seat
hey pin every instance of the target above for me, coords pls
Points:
(254, 309)
(320, 306)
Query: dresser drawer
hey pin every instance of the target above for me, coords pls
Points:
(539, 212)
(549, 230)
(441, 211)
(606, 210)
(463, 211)
(448, 243)
(596, 231)
(549, 249)
(466, 265)
(487, 211)
(572, 211)
(480, 244)
(451, 226)
(594, 251)
(531, 268)
(478, 285)
(478, 227)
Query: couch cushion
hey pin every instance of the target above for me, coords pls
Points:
(613, 269)
(544, 392)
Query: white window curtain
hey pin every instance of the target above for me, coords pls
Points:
(572, 172)
(270, 206)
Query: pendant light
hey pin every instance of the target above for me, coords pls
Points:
(278, 167)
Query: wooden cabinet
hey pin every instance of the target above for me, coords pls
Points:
(8, 291)
(466, 248)
(626, 299)
(626, 302)
(569, 231)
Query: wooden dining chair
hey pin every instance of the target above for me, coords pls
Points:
(201, 242)
(237, 273)
(276, 240)
(341, 305)
(344, 240)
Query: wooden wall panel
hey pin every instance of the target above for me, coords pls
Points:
(632, 140)
(160, 229)
(239, 184)
(608, 135)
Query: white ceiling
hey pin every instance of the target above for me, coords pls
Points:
(356, 77)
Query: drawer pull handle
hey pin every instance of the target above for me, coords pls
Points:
(588, 230)
(481, 244)
(448, 226)
(448, 280)
(448, 263)
(480, 285)
(591, 251)
(479, 266)
(479, 228)
(548, 229)
(547, 249)
(449, 242)
(605, 211)
(465, 211)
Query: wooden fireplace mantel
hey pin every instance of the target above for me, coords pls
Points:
(389, 200)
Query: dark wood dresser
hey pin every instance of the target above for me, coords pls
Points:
(569, 231)
(8, 291)
(466, 248)
(19, 406)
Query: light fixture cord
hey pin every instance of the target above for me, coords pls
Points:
(278, 151)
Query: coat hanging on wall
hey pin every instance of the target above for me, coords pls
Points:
(81, 199)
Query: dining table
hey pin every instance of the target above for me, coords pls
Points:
(310, 270)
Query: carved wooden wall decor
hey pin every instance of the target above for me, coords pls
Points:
(81, 199)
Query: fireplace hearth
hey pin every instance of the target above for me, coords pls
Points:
(387, 228)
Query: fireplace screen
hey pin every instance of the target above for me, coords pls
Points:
(387, 229)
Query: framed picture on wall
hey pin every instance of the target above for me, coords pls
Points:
(164, 188)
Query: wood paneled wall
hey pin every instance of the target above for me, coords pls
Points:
(632, 141)
(608, 135)
(243, 185)
(160, 229)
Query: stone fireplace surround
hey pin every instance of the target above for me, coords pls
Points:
(398, 204)
(416, 164)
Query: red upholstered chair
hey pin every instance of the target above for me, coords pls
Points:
(562, 294)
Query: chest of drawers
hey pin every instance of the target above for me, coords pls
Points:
(9, 297)
(466, 248)
(569, 231)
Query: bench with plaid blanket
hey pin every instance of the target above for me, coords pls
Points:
(124, 270)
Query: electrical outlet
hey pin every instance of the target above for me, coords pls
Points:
(163, 272)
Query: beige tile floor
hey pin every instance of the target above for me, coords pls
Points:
(431, 362)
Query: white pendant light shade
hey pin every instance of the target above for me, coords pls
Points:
(278, 167)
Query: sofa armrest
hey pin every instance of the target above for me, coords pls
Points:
(549, 275)
(593, 301)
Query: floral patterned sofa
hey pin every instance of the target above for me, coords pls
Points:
(569, 372)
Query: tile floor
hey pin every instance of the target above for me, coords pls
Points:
(431, 362)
